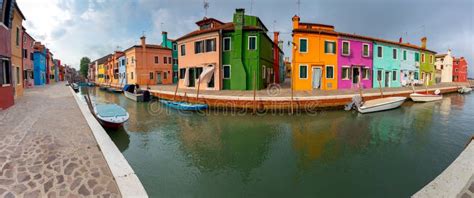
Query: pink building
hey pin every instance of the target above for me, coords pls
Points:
(354, 61)
(28, 45)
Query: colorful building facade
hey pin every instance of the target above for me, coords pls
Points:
(460, 70)
(170, 43)
(17, 50)
(354, 62)
(409, 66)
(386, 65)
(427, 67)
(444, 67)
(149, 64)
(314, 56)
(122, 75)
(6, 83)
(28, 50)
(39, 64)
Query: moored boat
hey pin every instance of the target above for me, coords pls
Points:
(114, 90)
(184, 106)
(110, 115)
(133, 92)
(375, 105)
(464, 90)
(419, 97)
(75, 87)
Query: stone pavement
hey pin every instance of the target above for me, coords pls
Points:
(47, 149)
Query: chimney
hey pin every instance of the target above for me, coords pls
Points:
(164, 36)
(423, 43)
(296, 21)
(400, 40)
(239, 18)
(275, 37)
(143, 41)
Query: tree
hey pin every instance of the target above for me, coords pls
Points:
(84, 69)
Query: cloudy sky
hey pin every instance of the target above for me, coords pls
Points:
(76, 28)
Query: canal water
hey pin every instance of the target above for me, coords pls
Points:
(323, 154)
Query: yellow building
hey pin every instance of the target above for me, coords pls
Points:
(314, 64)
(101, 70)
(17, 50)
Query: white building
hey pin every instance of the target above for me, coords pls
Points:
(444, 67)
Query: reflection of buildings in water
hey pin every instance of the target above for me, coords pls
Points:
(445, 108)
(120, 138)
(214, 143)
(459, 100)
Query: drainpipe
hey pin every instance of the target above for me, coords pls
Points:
(219, 67)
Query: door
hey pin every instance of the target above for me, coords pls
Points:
(387, 79)
(317, 77)
(158, 78)
(191, 77)
(355, 75)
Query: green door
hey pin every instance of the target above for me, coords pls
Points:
(158, 78)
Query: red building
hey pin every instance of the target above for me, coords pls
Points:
(459, 70)
(6, 87)
(28, 45)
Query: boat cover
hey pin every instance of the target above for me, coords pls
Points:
(110, 110)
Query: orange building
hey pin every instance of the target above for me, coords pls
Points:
(112, 69)
(314, 64)
(17, 50)
(148, 64)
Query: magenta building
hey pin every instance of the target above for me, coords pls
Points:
(354, 61)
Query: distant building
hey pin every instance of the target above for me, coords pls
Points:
(91, 72)
(459, 70)
(444, 67)
(122, 75)
(28, 50)
(17, 50)
(149, 64)
(170, 43)
(100, 70)
(39, 64)
(427, 68)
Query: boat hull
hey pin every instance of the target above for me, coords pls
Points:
(134, 97)
(425, 97)
(110, 125)
(184, 106)
(465, 90)
(381, 104)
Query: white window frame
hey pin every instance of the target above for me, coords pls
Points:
(230, 71)
(326, 71)
(381, 47)
(396, 53)
(368, 50)
(335, 46)
(307, 45)
(223, 43)
(348, 72)
(175, 47)
(299, 71)
(367, 77)
(431, 59)
(248, 43)
(348, 50)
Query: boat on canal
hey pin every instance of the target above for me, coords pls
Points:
(419, 97)
(184, 106)
(375, 105)
(133, 92)
(114, 90)
(75, 87)
(110, 115)
(464, 90)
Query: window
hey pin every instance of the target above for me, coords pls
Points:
(417, 57)
(227, 44)
(395, 54)
(165, 60)
(131, 75)
(18, 80)
(303, 45)
(252, 42)
(379, 75)
(329, 71)
(416, 75)
(17, 36)
(151, 75)
(345, 48)
(404, 55)
(366, 50)
(210, 45)
(182, 73)
(31, 56)
(379, 51)
(175, 47)
(165, 75)
(345, 73)
(198, 47)
(431, 59)
(183, 50)
(226, 71)
(263, 71)
(303, 71)
(133, 60)
(365, 73)
(394, 75)
(123, 62)
(329, 47)
(169, 60)
(175, 61)
(198, 72)
(156, 60)
(422, 58)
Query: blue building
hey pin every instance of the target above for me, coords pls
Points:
(171, 44)
(39, 64)
(409, 66)
(122, 75)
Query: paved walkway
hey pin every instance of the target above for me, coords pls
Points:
(48, 150)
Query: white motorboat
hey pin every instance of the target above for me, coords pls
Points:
(464, 90)
(134, 93)
(375, 105)
(419, 97)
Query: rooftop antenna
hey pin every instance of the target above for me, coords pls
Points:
(206, 6)
(298, 2)
(251, 6)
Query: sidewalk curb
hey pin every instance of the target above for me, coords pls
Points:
(126, 179)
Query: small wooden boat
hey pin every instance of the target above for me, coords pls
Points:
(134, 93)
(375, 105)
(110, 115)
(464, 90)
(103, 88)
(419, 97)
(114, 90)
(184, 106)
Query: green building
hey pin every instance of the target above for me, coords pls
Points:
(247, 51)
(169, 43)
(427, 67)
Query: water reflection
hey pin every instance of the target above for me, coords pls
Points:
(121, 137)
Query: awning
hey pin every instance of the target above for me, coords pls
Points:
(207, 74)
